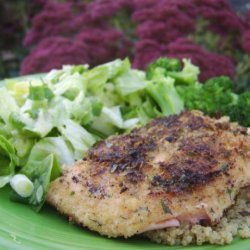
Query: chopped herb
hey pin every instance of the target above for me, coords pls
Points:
(183, 178)
(72, 193)
(143, 209)
(170, 139)
(165, 207)
(97, 222)
(211, 210)
(113, 168)
(244, 213)
(225, 167)
(123, 189)
(229, 191)
(75, 179)
(190, 153)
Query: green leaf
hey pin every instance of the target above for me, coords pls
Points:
(80, 110)
(97, 77)
(52, 145)
(97, 107)
(8, 159)
(41, 173)
(69, 86)
(36, 93)
(80, 139)
(7, 104)
(130, 82)
(19, 89)
(57, 75)
(23, 146)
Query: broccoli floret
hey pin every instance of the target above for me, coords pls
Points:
(240, 112)
(212, 98)
(187, 74)
(219, 83)
(161, 87)
(190, 95)
(162, 66)
(218, 95)
(164, 93)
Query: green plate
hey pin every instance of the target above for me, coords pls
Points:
(23, 229)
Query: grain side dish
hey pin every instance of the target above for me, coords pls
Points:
(235, 222)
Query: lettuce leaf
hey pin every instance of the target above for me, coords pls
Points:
(19, 89)
(51, 122)
(80, 139)
(130, 82)
(53, 145)
(70, 86)
(8, 160)
(7, 104)
(40, 172)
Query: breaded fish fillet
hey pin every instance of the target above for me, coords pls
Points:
(184, 168)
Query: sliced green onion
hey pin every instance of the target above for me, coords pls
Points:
(22, 185)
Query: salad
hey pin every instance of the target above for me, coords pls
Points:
(48, 123)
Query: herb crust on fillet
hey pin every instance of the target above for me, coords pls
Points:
(185, 168)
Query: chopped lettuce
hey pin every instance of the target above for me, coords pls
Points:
(7, 104)
(116, 67)
(48, 123)
(82, 109)
(45, 163)
(130, 82)
(23, 146)
(80, 139)
(113, 116)
(8, 160)
(20, 89)
(70, 86)
(57, 75)
(100, 75)
(40, 173)
(148, 111)
(57, 146)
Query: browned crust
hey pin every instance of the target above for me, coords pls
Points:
(194, 164)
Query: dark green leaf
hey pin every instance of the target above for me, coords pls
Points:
(165, 207)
